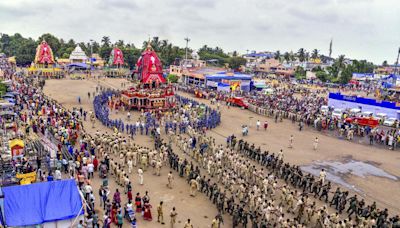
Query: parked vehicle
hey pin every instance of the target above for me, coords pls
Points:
(363, 121)
(238, 101)
(324, 109)
(381, 116)
(390, 122)
(367, 114)
(337, 113)
(355, 112)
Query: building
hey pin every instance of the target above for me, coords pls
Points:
(97, 61)
(254, 59)
(231, 80)
(197, 76)
(185, 66)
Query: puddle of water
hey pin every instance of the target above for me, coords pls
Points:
(337, 171)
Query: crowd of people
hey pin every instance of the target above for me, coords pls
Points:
(259, 188)
(255, 187)
(303, 107)
(6, 68)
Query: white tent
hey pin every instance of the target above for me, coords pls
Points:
(78, 55)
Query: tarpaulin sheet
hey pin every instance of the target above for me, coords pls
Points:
(26, 205)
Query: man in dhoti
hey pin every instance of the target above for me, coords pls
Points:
(140, 172)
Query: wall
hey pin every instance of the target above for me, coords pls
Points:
(367, 105)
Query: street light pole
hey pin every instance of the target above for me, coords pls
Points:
(91, 56)
(186, 50)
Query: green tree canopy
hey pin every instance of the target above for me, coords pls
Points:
(236, 62)
(172, 78)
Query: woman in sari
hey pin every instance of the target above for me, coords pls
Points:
(138, 203)
(147, 212)
(117, 197)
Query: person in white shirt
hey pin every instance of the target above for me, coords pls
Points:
(57, 174)
(90, 168)
(291, 139)
(322, 176)
(130, 165)
(258, 125)
(140, 172)
(315, 143)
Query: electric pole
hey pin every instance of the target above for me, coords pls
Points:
(396, 67)
(186, 50)
(397, 63)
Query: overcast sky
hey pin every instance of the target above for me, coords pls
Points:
(361, 29)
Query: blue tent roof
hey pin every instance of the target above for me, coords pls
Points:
(236, 76)
(32, 204)
(79, 65)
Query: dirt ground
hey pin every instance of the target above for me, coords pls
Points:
(199, 209)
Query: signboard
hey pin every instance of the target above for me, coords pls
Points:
(212, 83)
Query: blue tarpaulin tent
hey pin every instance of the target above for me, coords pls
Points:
(78, 65)
(32, 204)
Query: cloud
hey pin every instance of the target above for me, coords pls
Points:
(358, 27)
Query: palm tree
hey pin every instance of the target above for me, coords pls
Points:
(286, 56)
(278, 55)
(292, 56)
(155, 43)
(120, 43)
(301, 54)
(340, 62)
(105, 41)
(314, 54)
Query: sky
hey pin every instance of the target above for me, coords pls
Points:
(360, 29)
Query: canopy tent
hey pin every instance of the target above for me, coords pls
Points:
(78, 65)
(223, 87)
(27, 205)
(221, 76)
(78, 55)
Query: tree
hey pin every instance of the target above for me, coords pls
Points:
(322, 75)
(301, 54)
(120, 44)
(172, 78)
(314, 54)
(208, 53)
(340, 61)
(316, 69)
(286, 56)
(278, 55)
(292, 56)
(300, 73)
(333, 71)
(346, 74)
(105, 41)
(3, 88)
(236, 62)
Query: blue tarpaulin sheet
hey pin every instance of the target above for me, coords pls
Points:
(32, 204)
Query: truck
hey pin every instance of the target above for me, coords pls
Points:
(238, 101)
